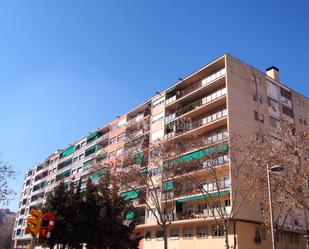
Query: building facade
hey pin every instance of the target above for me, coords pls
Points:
(223, 97)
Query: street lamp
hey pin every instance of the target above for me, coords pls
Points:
(307, 240)
(276, 168)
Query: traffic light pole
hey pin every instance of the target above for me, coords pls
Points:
(33, 242)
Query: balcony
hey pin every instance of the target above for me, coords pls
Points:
(198, 85)
(198, 107)
(179, 128)
(202, 213)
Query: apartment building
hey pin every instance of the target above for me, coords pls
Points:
(223, 97)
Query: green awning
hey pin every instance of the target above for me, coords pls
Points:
(148, 102)
(139, 158)
(87, 164)
(203, 196)
(143, 170)
(130, 215)
(170, 90)
(93, 136)
(200, 154)
(67, 152)
(96, 176)
(168, 185)
(130, 194)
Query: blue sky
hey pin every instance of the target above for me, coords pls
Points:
(65, 65)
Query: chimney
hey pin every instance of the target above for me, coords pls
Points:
(273, 72)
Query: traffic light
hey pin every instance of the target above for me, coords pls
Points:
(34, 222)
(48, 223)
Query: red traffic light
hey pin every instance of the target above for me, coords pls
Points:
(43, 231)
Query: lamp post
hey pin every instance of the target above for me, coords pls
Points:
(276, 168)
(307, 240)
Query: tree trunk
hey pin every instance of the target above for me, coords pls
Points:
(226, 236)
(165, 236)
(234, 234)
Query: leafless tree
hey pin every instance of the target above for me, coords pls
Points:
(288, 149)
(6, 172)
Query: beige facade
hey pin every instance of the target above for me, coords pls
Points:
(223, 98)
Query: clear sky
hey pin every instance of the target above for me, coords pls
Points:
(68, 67)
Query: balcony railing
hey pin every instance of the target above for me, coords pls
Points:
(202, 213)
(191, 106)
(207, 81)
(197, 123)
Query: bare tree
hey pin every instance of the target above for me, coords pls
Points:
(205, 174)
(6, 172)
(288, 149)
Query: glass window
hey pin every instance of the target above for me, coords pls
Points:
(157, 117)
(158, 102)
(202, 232)
(113, 140)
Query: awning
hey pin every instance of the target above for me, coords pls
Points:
(193, 198)
(93, 136)
(67, 152)
(143, 170)
(96, 176)
(87, 164)
(148, 102)
(139, 158)
(170, 90)
(130, 194)
(199, 154)
(130, 215)
(169, 185)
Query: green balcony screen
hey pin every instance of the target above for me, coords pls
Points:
(130, 194)
(203, 196)
(169, 185)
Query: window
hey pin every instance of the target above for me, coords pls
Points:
(202, 232)
(285, 93)
(119, 151)
(155, 171)
(256, 115)
(174, 234)
(187, 233)
(157, 117)
(158, 102)
(121, 122)
(75, 159)
(287, 111)
(83, 144)
(113, 140)
(81, 156)
(121, 137)
(114, 126)
(112, 155)
(151, 212)
(257, 98)
(148, 235)
(272, 103)
(159, 234)
(273, 122)
(157, 135)
(217, 231)
(227, 203)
